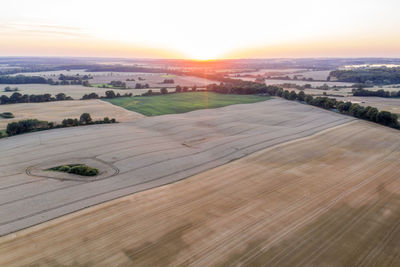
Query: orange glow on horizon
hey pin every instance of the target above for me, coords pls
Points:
(201, 31)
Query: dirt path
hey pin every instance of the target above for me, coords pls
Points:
(331, 199)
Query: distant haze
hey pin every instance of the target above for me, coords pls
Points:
(200, 29)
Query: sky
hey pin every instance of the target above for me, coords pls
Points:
(203, 29)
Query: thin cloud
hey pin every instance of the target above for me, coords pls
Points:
(42, 29)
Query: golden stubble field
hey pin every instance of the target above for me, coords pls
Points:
(59, 110)
(331, 199)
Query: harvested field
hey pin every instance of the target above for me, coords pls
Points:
(321, 75)
(75, 91)
(299, 82)
(153, 79)
(331, 199)
(59, 110)
(381, 103)
(145, 153)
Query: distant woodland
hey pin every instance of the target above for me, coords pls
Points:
(368, 76)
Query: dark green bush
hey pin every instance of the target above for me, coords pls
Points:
(64, 168)
(7, 115)
(78, 169)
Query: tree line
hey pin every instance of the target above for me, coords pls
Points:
(366, 113)
(108, 94)
(63, 80)
(22, 79)
(378, 93)
(33, 125)
(242, 88)
(19, 98)
(369, 76)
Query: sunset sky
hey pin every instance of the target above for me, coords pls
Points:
(200, 29)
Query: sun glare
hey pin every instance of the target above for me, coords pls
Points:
(202, 56)
(202, 52)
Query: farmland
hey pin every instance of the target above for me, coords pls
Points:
(182, 102)
(217, 180)
(154, 80)
(139, 155)
(59, 110)
(327, 199)
(75, 91)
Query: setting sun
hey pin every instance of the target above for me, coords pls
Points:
(199, 30)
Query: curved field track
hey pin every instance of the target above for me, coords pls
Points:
(146, 153)
(332, 199)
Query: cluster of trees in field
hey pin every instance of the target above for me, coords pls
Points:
(21, 79)
(179, 89)
(142, 86)
(79, 169)
(9, 89)
(33, 125)
(71, 80)
(108, 94)
(118, 84)
(85, 119)
(76, 77)
(295, 78)
(168, 81)
(6, 115)
(369, 76)
(163, 91)
(366, 113)
(242, 88)
(378, 93)
(19, 98)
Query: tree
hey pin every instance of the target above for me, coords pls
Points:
(372, 113)
(355, 110)
(110, 94)
(286, 94)
(178, 89)
(85, 118)
(344, 107)
(90, 96)
(387, 118)
(309, 99)
(15, 97)
(301, 96)
(4, 99)
(292, 95)
(61, 96)
(12, 128)
(164, 91)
